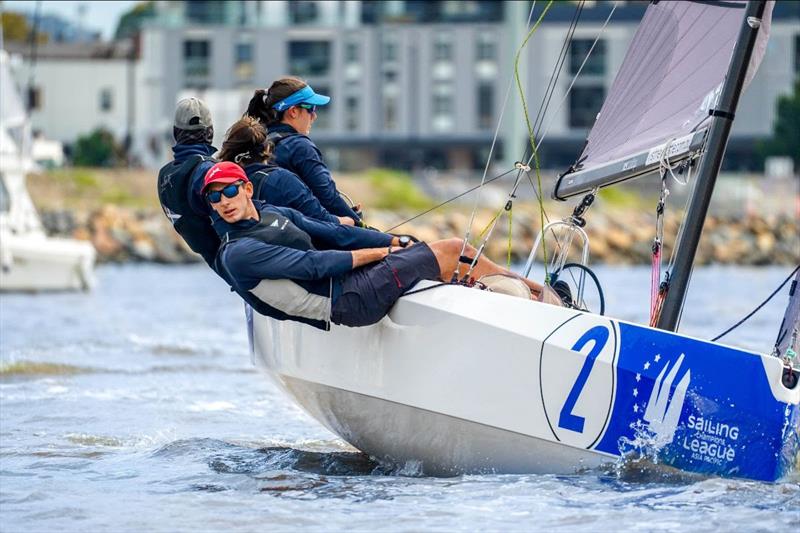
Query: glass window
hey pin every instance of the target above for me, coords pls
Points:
(205, 11)
(302, 12)
(244, 62)
(351, 113)
(486, 48)
(389, 50)
(196, 64)
(351, 52)
(584, 104)
(323, 120)
(309, 58)
(595, 65)
(485, 101)
(797, 53)
(34, 98)
(443, 48)
(106, 99)
(389, 112)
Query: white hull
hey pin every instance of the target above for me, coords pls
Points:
(462, 380)
(34, 263)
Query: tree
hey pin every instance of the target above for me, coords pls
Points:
(97, 149)
(16, 28)
(131, 22)
(785, 140)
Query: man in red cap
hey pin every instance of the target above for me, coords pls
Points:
(291, 267)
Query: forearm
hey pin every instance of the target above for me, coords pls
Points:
(366, 256)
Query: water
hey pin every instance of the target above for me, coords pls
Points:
(136, 408)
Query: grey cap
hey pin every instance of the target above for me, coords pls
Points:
(192, 114)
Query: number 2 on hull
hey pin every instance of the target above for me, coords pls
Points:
(568, 420)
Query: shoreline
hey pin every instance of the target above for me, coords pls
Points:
(123, 234)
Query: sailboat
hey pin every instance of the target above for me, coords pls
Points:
(461, 380)
(30, 260)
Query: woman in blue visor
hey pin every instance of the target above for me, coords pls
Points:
(288, 109)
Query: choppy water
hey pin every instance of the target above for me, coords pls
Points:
(136, 408)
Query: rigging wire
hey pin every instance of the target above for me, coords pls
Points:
(757, 309)
(491, 149)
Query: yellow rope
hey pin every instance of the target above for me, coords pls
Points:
(510, 226)
(530, 127)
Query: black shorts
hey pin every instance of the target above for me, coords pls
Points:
(370, 291)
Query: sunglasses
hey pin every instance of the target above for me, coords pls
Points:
(230, 191)
(308, 107)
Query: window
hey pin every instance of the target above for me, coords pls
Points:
(443, 47)
(486, 48)
(106, 99)
(584, 104)
(797, 54)
(302, 12)
(205, 11)
(351, 114)
(351, 52)
(595, 65)
(309, 58)
(34, 98)
(389, 50)
(323, 120)
(485, 101)
(244, 62)
(196, 65)
(442, 107)
(389, 112)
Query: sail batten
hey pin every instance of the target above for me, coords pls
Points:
(669, 82)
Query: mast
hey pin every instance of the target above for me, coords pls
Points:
(703, 187)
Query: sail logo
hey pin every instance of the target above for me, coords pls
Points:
(664, 409)
(577, 375)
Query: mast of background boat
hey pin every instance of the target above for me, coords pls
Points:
(703, 187)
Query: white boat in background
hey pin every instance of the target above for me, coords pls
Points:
(460, 380)
(29, 259)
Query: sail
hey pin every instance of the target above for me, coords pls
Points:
(670, 79)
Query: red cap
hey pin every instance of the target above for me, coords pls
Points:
(224, 172)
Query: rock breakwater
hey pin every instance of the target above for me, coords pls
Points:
(125, 234)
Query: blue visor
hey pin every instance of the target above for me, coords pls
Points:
(306, 95)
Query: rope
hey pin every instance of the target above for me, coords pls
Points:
(757, 309)
(456, 197)
(491, 150)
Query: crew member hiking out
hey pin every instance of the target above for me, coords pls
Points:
(288, 109)
(246, 145)
(291, 267)
(180, 182)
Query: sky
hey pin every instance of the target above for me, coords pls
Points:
(100, 15)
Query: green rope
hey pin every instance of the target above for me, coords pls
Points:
(530, 127)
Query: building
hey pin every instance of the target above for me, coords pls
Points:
(414, 83)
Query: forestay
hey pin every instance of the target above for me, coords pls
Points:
(664, 92)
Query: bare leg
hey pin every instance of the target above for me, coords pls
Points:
(447, 253)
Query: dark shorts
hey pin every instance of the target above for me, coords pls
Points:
(370, 291)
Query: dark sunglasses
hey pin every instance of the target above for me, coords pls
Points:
(308, 107)
(230, 191)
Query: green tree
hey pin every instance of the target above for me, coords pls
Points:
(131, 22)
(97, 149)
(785, 138)
(16, 28)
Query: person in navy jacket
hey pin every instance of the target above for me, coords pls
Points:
(288, 109)
(246, 145)
(180, 182)
(291, 267)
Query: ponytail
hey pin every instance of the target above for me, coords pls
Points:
(262, 102)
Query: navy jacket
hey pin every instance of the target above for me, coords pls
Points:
(195, 191)
(290, 283)
(298, 154)
(282, 188)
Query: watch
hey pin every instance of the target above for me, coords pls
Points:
(404, 241)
